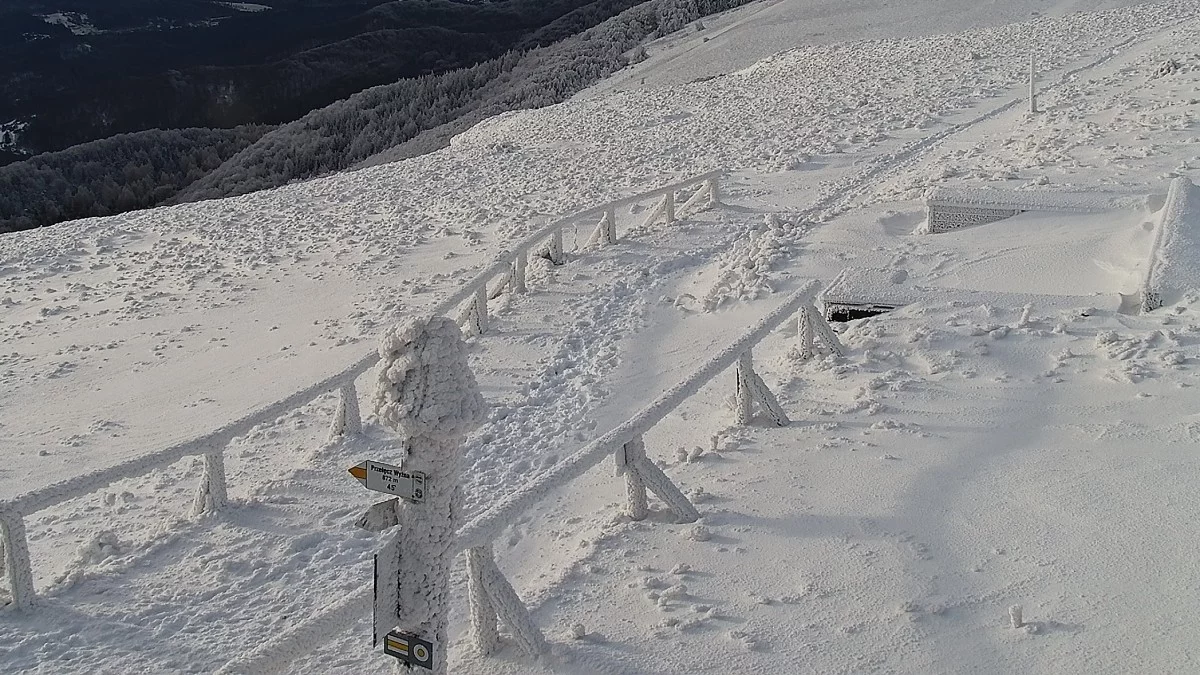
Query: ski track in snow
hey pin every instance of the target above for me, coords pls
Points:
(912, 550)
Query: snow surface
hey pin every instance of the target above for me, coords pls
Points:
(1008, 439)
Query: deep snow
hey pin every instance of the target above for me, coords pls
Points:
(967, 455)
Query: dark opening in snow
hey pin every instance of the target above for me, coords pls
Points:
(843, 313)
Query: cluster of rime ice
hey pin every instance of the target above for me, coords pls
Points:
(744, 270)
(427, 393)
(425, 387)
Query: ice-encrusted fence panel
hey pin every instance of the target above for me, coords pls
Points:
(492, 598)
(212, 492)
(946, 217)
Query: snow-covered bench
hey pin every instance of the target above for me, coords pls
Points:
(949, 208)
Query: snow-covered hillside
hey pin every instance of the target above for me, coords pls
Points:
(1007, 438)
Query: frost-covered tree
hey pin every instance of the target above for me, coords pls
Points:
(130, 171)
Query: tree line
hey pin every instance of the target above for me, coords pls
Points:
(384, 123)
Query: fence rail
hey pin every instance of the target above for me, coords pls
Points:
(211, 494)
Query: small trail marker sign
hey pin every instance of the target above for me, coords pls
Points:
(409, 649)
(392, 480)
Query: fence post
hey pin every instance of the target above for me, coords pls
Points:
(556, 247)
(628, 455)
(481, 308)
(17, 566)
(804, 334)
(484, 632)
(347, 421)
(743, 402)
(669, 206)
(1032, 88)
(714, 192)
(653, 478)
(212, 495)
(427, 394)
(518, 274)
(752, 389)
(509, 606)
(823, 331)
(605, 233)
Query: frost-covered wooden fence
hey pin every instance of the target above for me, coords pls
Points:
(491, 597)
(506, 273)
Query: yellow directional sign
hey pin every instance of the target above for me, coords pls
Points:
(392, 480)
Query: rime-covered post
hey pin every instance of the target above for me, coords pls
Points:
(505, 602)
(669, 206)
(750, 390)
(658, 483)
(347, 421)
(1032, 86)
(823, 332)
(714, 192)
(17, 566)
(743, 401)
(484, 631)
(518, 274)
(481, 308)
(556, 247)
(211, 495)
(427, 394)
(605, 233)
(626, 460)
(804, 334)
(474, 318)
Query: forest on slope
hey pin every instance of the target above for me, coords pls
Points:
(410, 116)
(74, 71)
(420, 115)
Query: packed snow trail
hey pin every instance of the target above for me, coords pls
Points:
(290, 527)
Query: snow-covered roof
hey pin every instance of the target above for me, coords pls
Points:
(859, 285)
(1024, 200)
